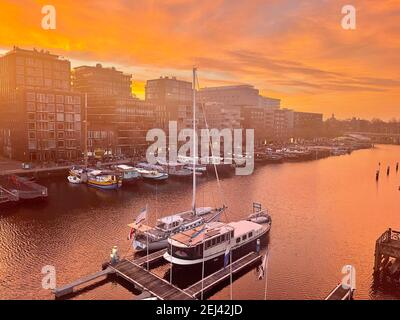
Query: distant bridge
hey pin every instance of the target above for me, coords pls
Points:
(378, 137)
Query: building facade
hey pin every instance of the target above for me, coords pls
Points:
(117, 121)
(307, 125)
(241, 95)
(41, 118)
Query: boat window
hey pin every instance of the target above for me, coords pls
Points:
(250, 234)
(213, 241)
(237, 240)
(244, 237)
(232, 234)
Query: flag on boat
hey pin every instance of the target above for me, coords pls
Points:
(131, 233)
(142, 216)
(263, 267)
(226, 256)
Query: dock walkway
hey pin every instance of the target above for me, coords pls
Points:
(340, 293)
(148, 281)
(216, 278)
(151, 258)
(68, 289)
(135, 271)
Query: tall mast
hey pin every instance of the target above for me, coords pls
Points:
(86, 132)
(194, 141)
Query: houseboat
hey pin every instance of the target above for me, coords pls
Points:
(104, 180)
(210, 243)
(128, 174)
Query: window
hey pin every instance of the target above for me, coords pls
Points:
(60, 117)
(244, 237)
(50, 98)
(31, 116)
(60, 135)
(32, 135)
(250, 234)
(60, 126)
(69, 117)
(59, 99)
(237, 240)
(41, 97)
(30, 96)
(60, 108)
(32, 126)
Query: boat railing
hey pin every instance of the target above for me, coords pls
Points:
(389, 235)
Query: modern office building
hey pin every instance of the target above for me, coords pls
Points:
(100, 81)
(40, 117)
(240, 95)
(269, 103)
(171, 97)
(307, 124)
(117, 121)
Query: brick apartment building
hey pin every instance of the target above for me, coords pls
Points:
(40, 117)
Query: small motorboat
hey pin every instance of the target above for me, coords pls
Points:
(74, 179)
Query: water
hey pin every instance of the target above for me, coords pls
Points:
(326, 214)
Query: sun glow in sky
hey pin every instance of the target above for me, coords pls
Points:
(289, 49)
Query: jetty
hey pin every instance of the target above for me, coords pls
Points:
(341, 293)
(135, 272)
(14, 188)
(203, 286)
(8, 196)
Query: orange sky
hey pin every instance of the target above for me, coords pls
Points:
(293, 50)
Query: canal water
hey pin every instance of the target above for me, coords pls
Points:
(326, 214)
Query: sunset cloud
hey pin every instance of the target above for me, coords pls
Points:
(294, 50)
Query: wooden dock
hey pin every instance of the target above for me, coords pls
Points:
(135, 272)
(216, 278)
(151, 258)
(386, 247)
(147, 281)
(68, 289)
(8, 196)
(340, 293)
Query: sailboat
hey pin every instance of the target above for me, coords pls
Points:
(212, 242)
(156, 238)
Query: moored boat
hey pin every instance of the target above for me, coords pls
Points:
(104, 180)
(128, 174)
(152, 175)
(210, 243)
(156, 238)
(74, 179)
